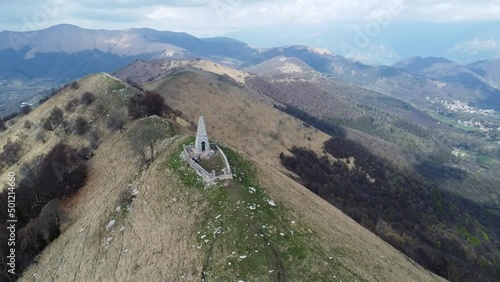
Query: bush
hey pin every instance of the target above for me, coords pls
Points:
(116, 121)
(147, 104)
(65, 126)
(3, 127)
(46, 124)
(74, 85)
(26, 110)
(85, 153)
(58, 174)
(55, 118)
(134, 84)
(87, 98)
(71, 105)
(27, 124)
(81, 125)
(43, 100)
(94, 139)
(41, 136)
(11, 153)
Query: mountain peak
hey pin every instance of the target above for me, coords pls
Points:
(64, 26)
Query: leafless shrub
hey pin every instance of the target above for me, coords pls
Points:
(71, 105)
(11, 153)
(74, 85)
(95, 139)
(116, 121)
(81, 125)
(147, 104)
(87, 98)
(26, 110)
(41, 136)
(27, 124)
(144, 142)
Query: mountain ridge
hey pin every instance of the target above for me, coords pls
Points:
(169, 217)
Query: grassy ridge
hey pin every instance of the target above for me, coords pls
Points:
(246, 236)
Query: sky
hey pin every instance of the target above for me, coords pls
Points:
(376, 31)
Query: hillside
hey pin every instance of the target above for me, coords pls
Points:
(165, 223)
(445, 71)
(280, 65)
(418, 193)
(488, 69)
(405, 128)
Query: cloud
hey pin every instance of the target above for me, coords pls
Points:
(477, 46)
(219, 16)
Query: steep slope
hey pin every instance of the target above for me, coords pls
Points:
(249, 124)
(488, 69)
(165, 222)
(390, 128)
(111, 93)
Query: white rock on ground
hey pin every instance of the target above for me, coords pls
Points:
(110, 225)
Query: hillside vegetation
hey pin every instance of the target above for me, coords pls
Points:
(142, 213)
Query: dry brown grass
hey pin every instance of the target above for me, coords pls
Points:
(159, 230)
(156, 241)
(246, 123)
(243, 120)
(96, 84)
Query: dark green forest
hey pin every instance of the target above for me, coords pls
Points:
(453, 237)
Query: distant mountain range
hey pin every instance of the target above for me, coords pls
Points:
(63, 53)
(66, 52)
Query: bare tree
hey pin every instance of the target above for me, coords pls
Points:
(147, 104)
(65, 126)
(144, 142)
(40, 136)
(74, 85)
(27, 124)
(11, 153)
(81, 125)
(87, 98)
(26, 110)
(94, 139)
(71, 105)
(46, 124)
(55, 118)
(116, 121)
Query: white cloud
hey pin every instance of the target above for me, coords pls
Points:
(477, 46)
(209, 16)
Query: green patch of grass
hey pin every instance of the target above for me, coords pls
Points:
(451, 122)
(247, 236)
(214, 163)
(471, 239)
(164, 126)
(486, 161)
(486, 237)
(115, 85)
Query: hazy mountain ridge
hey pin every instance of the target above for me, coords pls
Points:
(488, 69)
(63, 53)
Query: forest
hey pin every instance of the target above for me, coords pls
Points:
(452, 236)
